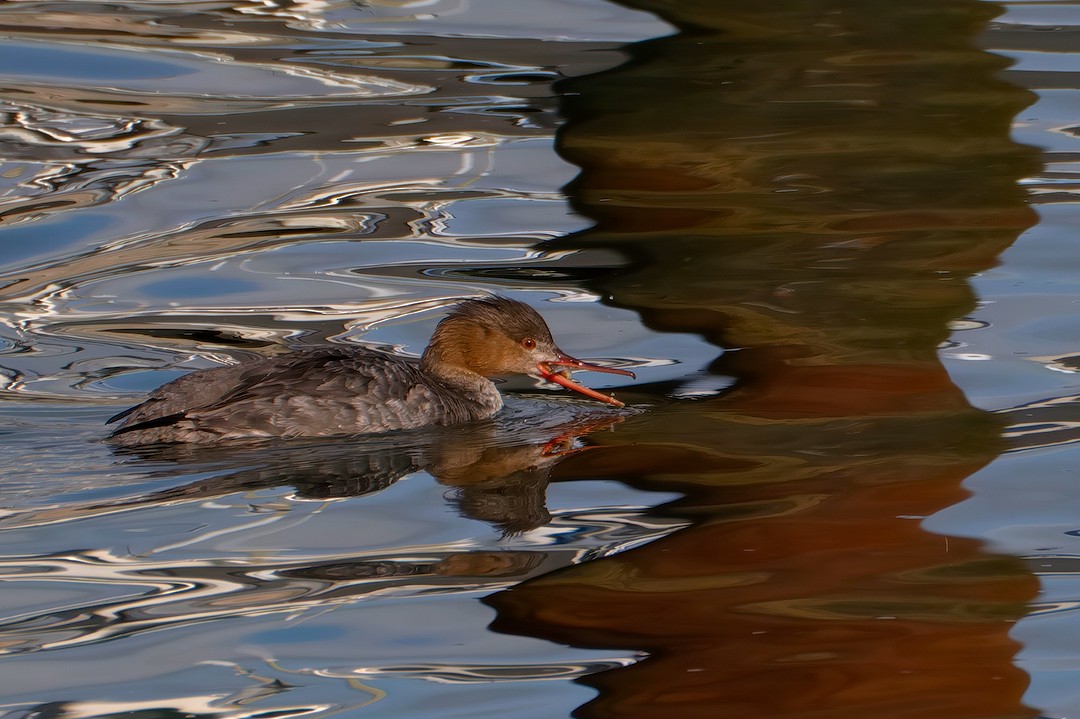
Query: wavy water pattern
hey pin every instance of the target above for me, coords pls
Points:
(151, 596)
(229, 180)
(805, 226)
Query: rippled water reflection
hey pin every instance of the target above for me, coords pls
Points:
(830, 237)
(271, 567)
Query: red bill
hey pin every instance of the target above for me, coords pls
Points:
(568, 364)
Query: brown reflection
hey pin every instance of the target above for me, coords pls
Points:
(812, 184)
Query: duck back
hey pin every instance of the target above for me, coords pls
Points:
(308, 393)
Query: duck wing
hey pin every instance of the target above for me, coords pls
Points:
(320, 392)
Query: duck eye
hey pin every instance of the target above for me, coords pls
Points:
(528, 343)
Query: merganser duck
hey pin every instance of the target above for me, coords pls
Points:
(346, 390)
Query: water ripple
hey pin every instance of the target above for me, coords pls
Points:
(133, 594)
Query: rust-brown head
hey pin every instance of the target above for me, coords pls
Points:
(499, 336)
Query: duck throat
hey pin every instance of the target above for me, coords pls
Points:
(455, 358)
(466, 386)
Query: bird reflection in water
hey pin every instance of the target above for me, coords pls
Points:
(498, 472)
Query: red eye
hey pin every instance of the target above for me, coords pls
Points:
(528, 343)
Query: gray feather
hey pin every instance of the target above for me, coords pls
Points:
(319, 392)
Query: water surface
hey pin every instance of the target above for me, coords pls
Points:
(831, 238)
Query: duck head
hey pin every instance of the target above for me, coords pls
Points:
(498, 336)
